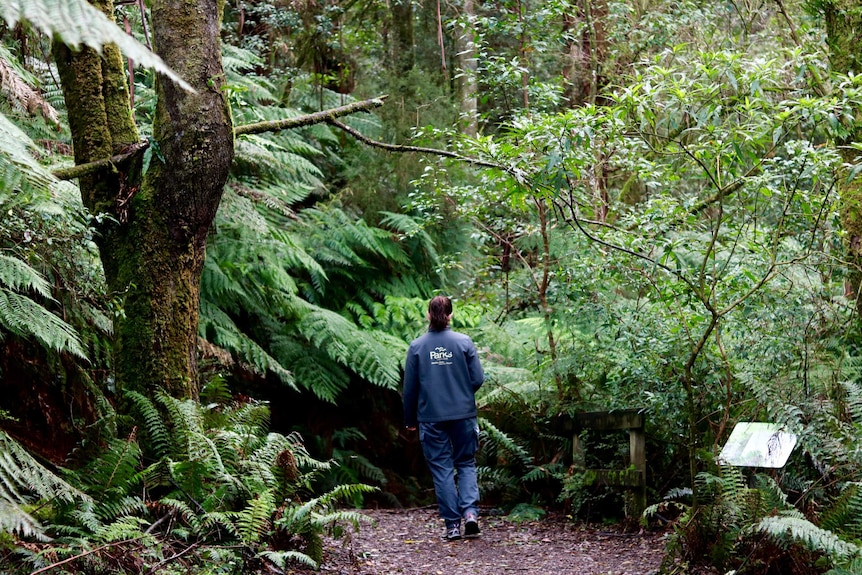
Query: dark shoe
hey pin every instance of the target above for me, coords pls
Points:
(471, 526)
(452, 533)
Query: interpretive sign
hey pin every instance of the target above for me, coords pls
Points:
(756, 444)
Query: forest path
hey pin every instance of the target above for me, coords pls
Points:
(408, 542)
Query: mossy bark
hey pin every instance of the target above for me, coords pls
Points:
(153, 247)
(843, 27)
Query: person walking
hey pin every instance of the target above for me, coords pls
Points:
(441, 375)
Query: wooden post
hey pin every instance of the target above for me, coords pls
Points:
(637, 455)
(634, 478)
(577, 451)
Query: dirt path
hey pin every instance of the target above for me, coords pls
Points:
(408, 542)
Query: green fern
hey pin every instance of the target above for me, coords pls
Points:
(155, 429)
(311, 519)
(78, 23)
(498, 441)
(792, 526)
(254, 522)
(282, 559)
(23, 480)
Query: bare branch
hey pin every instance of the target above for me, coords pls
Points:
(91, 167)
(257, 128)
(84, 554)
(418, 149)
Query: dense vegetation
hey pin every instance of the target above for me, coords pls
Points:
(636, 205)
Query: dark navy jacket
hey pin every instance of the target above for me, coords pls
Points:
(441, 376)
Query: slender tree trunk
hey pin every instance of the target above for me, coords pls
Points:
(403, 56)
(468, 88)
(524, 44)
(843, 26)
(585, 52)
(152, 248)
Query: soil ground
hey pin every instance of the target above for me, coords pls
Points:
(408, 542)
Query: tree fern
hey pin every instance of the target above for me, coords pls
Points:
(350, 347)
(17, 158)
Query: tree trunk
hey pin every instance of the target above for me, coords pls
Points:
(468, 88)
(153, 246)
(843, 24)
(585, 52)
(403, 56)
(523, 50)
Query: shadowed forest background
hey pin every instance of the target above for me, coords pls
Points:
(207, 286)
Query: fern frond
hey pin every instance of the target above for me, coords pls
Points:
(254, 522)
(21, 478)
(218, 521)
(154, 425)
(112, 508)
(23, 316)
(13, 519)
(796, 528)
(281, 559)
(844, 515)
(497, 439)
(351, 347)
(78, 23)
(183, 511)
(17, 158)
(221, 330)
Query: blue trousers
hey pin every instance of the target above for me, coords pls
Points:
(450, 449)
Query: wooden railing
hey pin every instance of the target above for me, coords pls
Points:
(632, 478)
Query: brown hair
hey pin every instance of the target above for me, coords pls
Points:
(439, 310)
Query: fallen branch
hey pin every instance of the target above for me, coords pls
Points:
(84, 554)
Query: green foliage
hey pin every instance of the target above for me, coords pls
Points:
(25, 482)
(21, 315)
(77, 23)
(525, 512)
(220, 479)
(313, 517)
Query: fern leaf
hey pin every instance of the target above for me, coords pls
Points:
(281, 559)
(21, 476)
(797, 528)
(78, 23)
(154, 425)
(254, 521)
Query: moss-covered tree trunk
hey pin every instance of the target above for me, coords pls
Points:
(843, 29)
(153, 246)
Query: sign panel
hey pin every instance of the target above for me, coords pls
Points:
(755, 444)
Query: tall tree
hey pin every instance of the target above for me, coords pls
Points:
(160, 196)
(153, 246)
(843, 24)
(466, 55)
